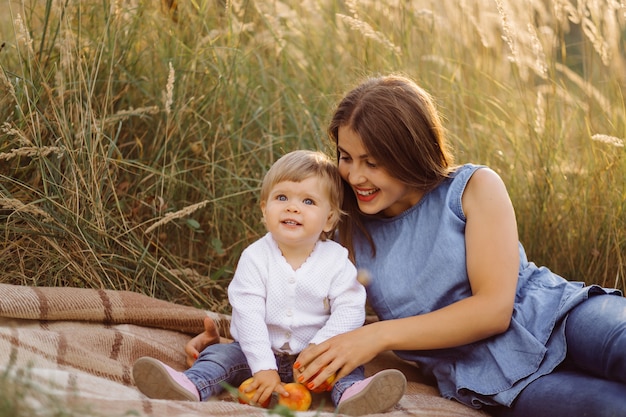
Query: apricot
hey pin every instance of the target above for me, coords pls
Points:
(324, 386)
(246, 397)
(299, 397)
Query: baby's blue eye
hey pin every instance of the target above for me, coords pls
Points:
(281, 197)
(308, 201)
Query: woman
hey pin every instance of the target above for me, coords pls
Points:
(450, 282)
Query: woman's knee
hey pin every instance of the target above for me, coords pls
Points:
(596, 336)
(568, 393)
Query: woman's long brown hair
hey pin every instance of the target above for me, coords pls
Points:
(401, 129)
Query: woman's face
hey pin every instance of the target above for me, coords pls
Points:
(377, 192)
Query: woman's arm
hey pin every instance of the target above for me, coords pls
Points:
(491, 242)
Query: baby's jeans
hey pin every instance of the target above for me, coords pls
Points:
(225, 363)
(592, 380)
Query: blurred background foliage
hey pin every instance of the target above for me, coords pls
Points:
(134, 134)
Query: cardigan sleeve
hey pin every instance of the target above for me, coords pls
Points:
(247, 295)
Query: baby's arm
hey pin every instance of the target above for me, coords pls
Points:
(248, 300)
(247, 297)
(346, 298)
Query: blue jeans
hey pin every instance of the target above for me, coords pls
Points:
(592, 380)
(225, 363)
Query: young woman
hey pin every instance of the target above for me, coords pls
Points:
(291, 288)
(450, 282)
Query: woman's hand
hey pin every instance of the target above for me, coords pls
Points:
(198, 343)
(338, 355)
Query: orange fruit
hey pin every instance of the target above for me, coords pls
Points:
(245, 397)
(299, 397)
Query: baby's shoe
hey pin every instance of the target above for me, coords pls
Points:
(372, 395)
(157, 380)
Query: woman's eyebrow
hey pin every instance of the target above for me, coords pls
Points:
(364, 156)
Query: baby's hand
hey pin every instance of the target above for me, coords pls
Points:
(265, 383)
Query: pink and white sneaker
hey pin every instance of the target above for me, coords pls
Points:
(159, 381)
(375, 394)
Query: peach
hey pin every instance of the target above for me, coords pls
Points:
(245, 397)
(324, 386)
(299, 397)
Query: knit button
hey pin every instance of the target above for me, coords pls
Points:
(289, 313)
(292, 280)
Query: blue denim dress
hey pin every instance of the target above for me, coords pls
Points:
(420, 266)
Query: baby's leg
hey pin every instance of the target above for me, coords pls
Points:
(372, 395)
(157, 380)
(218, 365)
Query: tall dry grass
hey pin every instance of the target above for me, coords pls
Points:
(134, 137)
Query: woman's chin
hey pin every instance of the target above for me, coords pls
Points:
(368, 209)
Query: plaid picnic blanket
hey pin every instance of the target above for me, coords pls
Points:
(74, 349)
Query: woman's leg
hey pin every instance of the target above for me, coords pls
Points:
(218, 364)
(568, 393)
(592, 382)
(596, 336)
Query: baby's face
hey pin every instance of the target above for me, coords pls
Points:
(296, 213)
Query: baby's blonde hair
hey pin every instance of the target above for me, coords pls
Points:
(299, 165)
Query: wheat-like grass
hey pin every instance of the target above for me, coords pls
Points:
(608, 139)
(122, 115)
(352, 6)
(32, 152)
(508, 33)
(540, 114)
(17, 206)
(9, 131)
(367, 31)
(249, 81)
(566, 98)
(586, 86)
(597, 41)
(23, 35)
(539, 64)
(7, 84)
(275, 32)
(478, 27)
(184, 212)
(168, 95)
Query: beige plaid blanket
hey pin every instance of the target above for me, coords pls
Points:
(75, 348)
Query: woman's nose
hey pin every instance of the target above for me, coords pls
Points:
(355, 175)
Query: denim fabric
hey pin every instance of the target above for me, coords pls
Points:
(346, 382)
(225, 363)
(592, 381)
(420, 266)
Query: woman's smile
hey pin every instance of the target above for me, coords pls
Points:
(376, 191)
(365, 195)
